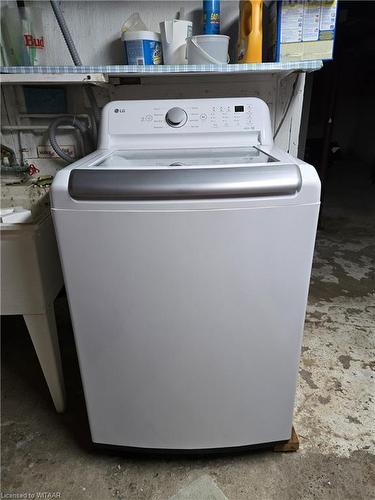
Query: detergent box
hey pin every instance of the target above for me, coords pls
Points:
(300, 30)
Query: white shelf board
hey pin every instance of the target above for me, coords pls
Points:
(102, 74)
(52, 78)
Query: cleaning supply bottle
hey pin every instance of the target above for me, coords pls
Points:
(250, 32)
(22, 35)
(211, 17)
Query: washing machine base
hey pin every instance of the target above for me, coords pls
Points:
(291, 444)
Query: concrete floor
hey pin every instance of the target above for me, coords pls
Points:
(46, 452)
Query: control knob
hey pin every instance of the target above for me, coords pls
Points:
(176, 117)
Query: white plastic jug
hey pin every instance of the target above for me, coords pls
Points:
(22, 35)
(208, 49)
(173, 40)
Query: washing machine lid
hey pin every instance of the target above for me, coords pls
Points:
(184, 174)
(208, 157)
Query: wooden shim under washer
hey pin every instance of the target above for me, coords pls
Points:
(291, 445)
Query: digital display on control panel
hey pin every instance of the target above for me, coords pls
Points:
(239, 109)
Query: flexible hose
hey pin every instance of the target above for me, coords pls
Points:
(94, 106)
(64, 120)
(66, 33)
(74, 53)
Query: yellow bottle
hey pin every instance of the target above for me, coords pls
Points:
(250, 32)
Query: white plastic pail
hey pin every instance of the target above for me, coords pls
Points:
(207, 49)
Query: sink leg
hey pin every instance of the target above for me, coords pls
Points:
(43, 333)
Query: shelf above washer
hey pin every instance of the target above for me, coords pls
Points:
(102, 74)
(50, 78)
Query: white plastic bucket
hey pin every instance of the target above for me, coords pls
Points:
(173, 39)
(207, 49)
(142, 47)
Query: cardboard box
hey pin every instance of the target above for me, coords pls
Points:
(300, 30)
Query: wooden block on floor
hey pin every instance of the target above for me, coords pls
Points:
(291, 445)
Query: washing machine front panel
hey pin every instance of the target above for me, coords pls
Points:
(188, 324)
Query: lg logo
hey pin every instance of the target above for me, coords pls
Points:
(117, 110)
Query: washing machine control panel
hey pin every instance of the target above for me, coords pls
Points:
(214, 117)
(221, 119)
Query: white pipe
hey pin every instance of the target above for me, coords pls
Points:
(49, 115)
(36, 128)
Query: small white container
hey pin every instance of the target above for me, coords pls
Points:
(207, 49)
(134, 23)
(142, 47)
(173, 39)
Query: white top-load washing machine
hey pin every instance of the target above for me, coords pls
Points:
(186, 242)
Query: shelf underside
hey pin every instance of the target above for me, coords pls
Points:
(102, 74)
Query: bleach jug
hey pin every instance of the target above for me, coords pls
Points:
(250, 32)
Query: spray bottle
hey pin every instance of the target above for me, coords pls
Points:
(211, 17)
